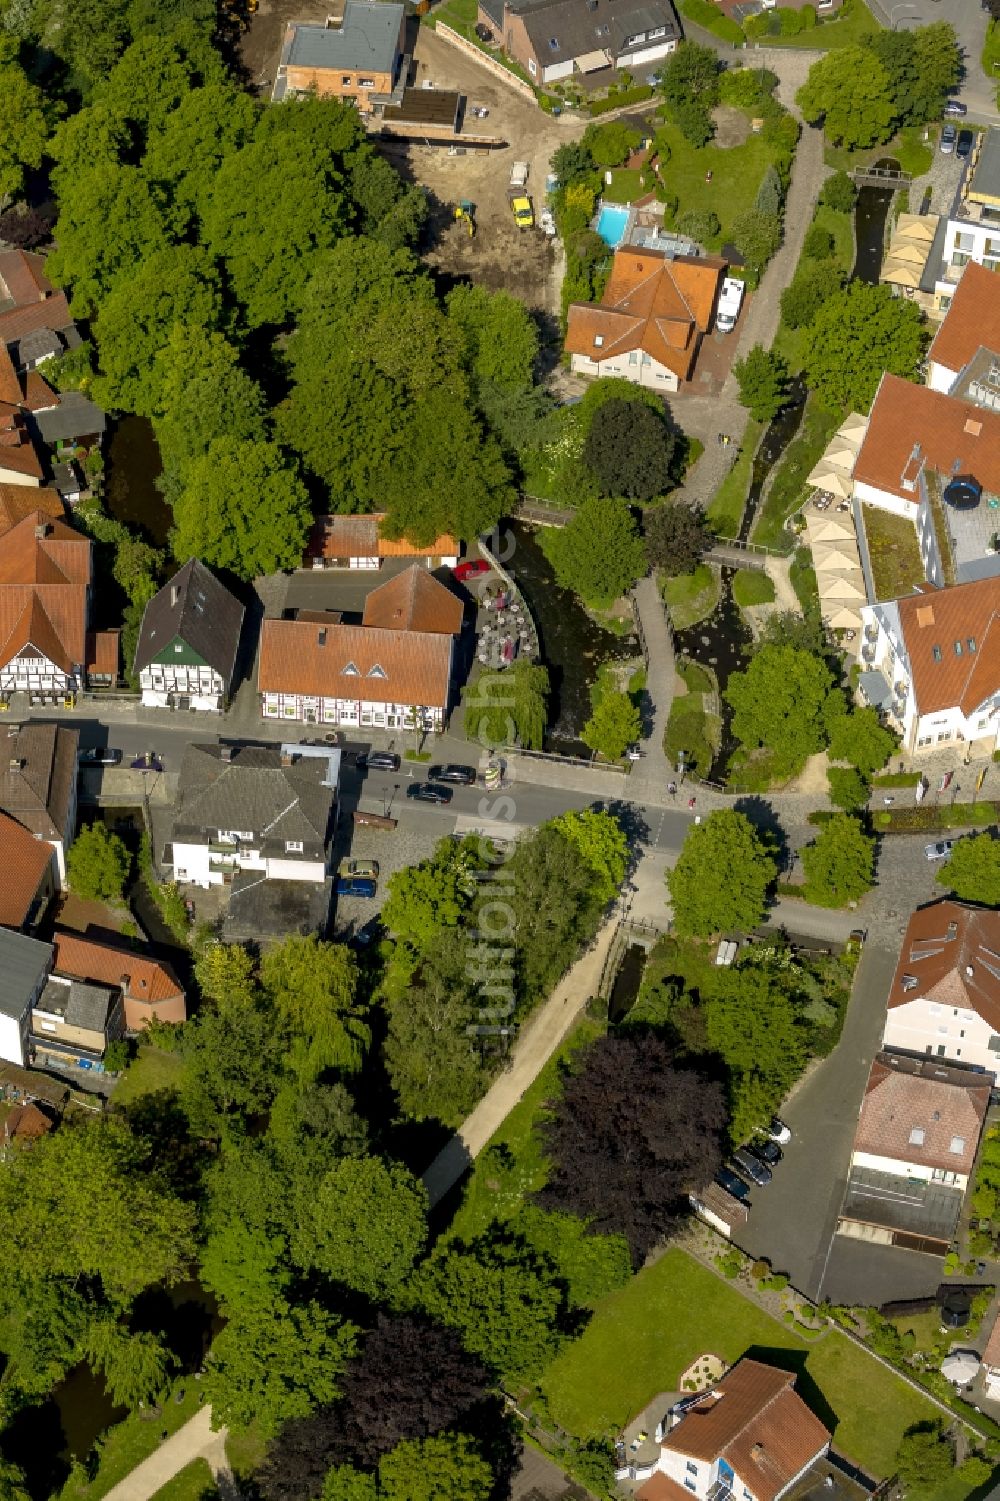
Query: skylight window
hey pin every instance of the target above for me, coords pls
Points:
(936, 653)
(957, 1145)
(917, 1136)
(351, 671)
(376, 671)
(553, 44)
(958, 648)
(971, 642)
(599, 340)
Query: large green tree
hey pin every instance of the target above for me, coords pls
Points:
(134, 1366)
(722, 876)
(849, 91)
(781, 702)
(501, 338)
(434, 894)
(630, 450)
(107, 227)
(508, 708)
(444, 1467)
(598, 554)
(925, 1460)
(272, 1364)
(859, 334)
(24, 126)
(601, 843)
(763, 382)
(363, 1225)
(751, 1023)
(84, 1203)
(98, 864)
(200, 392)
(839, 864)
(242, 507)
(862, 740)
(176, 286)
(313, 987)
(973, 870)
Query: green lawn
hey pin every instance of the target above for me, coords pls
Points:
(627, 184)
(642, 1337)
(705, 13)
(128, 1443)
(788, 484)
(991, 51)
(736, 172)
(152, 1070)
(691, 730)
(844, 31)
(894, 552)
(191, 1483)
(245, 1452)
(692, 596)
(802, 576)
(752, 588)
(725, 509)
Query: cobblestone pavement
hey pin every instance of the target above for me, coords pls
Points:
(705, 417)
(943, 179)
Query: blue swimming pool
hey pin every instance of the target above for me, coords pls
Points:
(612, 222)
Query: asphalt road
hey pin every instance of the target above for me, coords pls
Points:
(969, 20)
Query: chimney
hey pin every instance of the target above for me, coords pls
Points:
(321, 636)
(41, 531)
(225, 753)
(969, 971)
(125, 982)
(175, 595)
(757, 1453)
(15, 763)
(287, 759)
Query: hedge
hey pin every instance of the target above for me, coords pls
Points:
(897, 779)
(624, 97)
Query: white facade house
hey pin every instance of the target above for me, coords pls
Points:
(24, 970)
(255, 809)
(944, 1001)
(963, 242)
(636, 365)
(751, 1436)
(358, 543)
(185, 655)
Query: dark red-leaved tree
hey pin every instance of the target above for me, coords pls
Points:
(411, 1379)
(631, 1135)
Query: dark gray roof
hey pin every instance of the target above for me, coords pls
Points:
(933, 266)
(82, 1005)
(581, 26)
(37, 344)
(367, 38)
(265, 911)
(196, 607)
(986, 177)
(74, 417)
(255, 792)
(23, 962)
(38, 776)
(875, 688)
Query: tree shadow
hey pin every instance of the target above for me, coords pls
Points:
(767, 823)
(796, 1362)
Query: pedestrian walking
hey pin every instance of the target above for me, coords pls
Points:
(691, 803)
(672, 788)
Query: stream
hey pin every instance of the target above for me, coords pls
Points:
(132, 467)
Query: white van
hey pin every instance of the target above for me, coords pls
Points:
(730, 302)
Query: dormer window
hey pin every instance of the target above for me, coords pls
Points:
(909, 982)
(376, 671)
(351, 670)
(553, 44)
(936, 653)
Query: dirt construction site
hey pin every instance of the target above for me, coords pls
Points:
(499, 255)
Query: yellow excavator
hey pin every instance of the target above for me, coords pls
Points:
(466, 212)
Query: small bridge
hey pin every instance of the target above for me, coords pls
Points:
(881, 177)
(543, 512)
(738, 555)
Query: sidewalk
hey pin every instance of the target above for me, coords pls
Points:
(196, 1440)
(650, 776)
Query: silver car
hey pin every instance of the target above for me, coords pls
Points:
(948, 139)
(938, 851)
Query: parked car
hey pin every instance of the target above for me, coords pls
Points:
(379, 760)
(355, 886)
(148, 761)
(948, 139)
(748, 1163)
(768, 1151)
(462, 776)
(470, 568)
(939, 850)
(963, 147)
(732, 1184)
(427, 792)
(778, 1131)
(100, 756)
(367, 868)
(956, 109)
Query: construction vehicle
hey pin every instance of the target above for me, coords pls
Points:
(524, 214)
(465, 211)
(519, 176)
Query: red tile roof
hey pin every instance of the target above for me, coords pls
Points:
(912, 426)
(25, 1123)
(25, 862)
(913, 1117)
(23, 276)
(35, 304)
(393, 667)
(43, 590)
(755, 1420)
(953, 953)
(10, 386)
(103, 652)
(414, 601)
(150, 989)
(972, 321)
(952, 640)
(660, 1487)
(360, 537)
(18, 501)
(991, 1354)
(650, 303)
(52, 313)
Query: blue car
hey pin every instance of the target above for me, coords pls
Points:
(355, 886)
(728, 1180)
